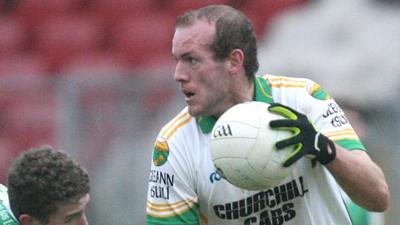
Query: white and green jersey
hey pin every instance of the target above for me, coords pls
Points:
(6, 216)
(184, 187)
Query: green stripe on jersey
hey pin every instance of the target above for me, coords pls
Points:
(263, 91)
(189, 217)
(351, 144)
(358, 215)
(321, 94)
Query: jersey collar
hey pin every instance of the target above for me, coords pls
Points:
(262, 94)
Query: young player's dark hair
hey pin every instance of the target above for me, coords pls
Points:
(41, 179)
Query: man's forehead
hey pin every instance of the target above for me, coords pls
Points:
(74, 206)
(189, 39)
(200, 33)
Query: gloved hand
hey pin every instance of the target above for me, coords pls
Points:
(306, 139)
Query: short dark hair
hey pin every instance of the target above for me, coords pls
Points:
(233, 30)
(42, 178)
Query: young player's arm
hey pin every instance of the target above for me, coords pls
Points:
(360, 178)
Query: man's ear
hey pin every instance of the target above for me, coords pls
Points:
(235, 61)
(26, 219)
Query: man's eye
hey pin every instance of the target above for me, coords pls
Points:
(192, 60)
(69, 219)
(72, 218)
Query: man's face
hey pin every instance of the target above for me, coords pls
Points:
(203, 80)
(72, 213)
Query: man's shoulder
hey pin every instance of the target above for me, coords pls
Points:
(180, 121)
(3, 188)
(287, 86)
(287, 81)
(3, 193)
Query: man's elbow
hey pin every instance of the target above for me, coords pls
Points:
(382, 204)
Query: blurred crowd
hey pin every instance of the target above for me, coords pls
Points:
(46, 43)
(63, 36)
(95, 77)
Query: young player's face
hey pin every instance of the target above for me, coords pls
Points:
(72, 213)
(203, 80)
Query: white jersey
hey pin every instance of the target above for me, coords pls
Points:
(184, 187)
(6, 216)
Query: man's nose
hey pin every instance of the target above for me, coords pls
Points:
(181, 74)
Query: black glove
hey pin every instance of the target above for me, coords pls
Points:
(306, 139)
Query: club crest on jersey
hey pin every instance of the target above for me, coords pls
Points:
(317, 92)
(160, 152)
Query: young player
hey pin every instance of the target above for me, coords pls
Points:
(47, 187)
(216, 54)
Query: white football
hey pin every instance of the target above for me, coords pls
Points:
(243, 148)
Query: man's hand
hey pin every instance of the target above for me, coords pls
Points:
(306, 139)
